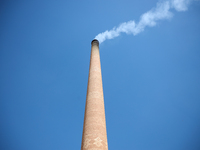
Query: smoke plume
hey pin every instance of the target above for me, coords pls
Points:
(150, 18)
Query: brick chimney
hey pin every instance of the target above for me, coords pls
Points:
(94, 130)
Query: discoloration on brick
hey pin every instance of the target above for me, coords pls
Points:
(86, 143)
(98, 142)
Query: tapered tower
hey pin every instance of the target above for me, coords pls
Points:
(94, 129)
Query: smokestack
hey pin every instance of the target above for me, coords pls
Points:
(94, 129)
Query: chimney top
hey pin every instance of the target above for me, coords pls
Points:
(95, 42)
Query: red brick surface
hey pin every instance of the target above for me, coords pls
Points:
(94, 130)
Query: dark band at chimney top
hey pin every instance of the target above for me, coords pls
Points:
(95, 42)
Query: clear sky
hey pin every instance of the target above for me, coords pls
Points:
(151, 80)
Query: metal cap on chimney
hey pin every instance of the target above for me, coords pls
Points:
(95, 42)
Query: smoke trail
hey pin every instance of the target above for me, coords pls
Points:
(150, 18)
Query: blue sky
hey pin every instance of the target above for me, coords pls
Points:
(151, 80)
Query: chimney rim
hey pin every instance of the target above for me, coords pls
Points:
(95, 42)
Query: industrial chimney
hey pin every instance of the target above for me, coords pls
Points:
(94, 130)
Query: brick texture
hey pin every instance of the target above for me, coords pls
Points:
(94, 130)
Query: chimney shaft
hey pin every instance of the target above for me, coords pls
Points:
(94, 129)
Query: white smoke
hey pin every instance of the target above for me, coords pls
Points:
(180, 5)
(150, 18)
